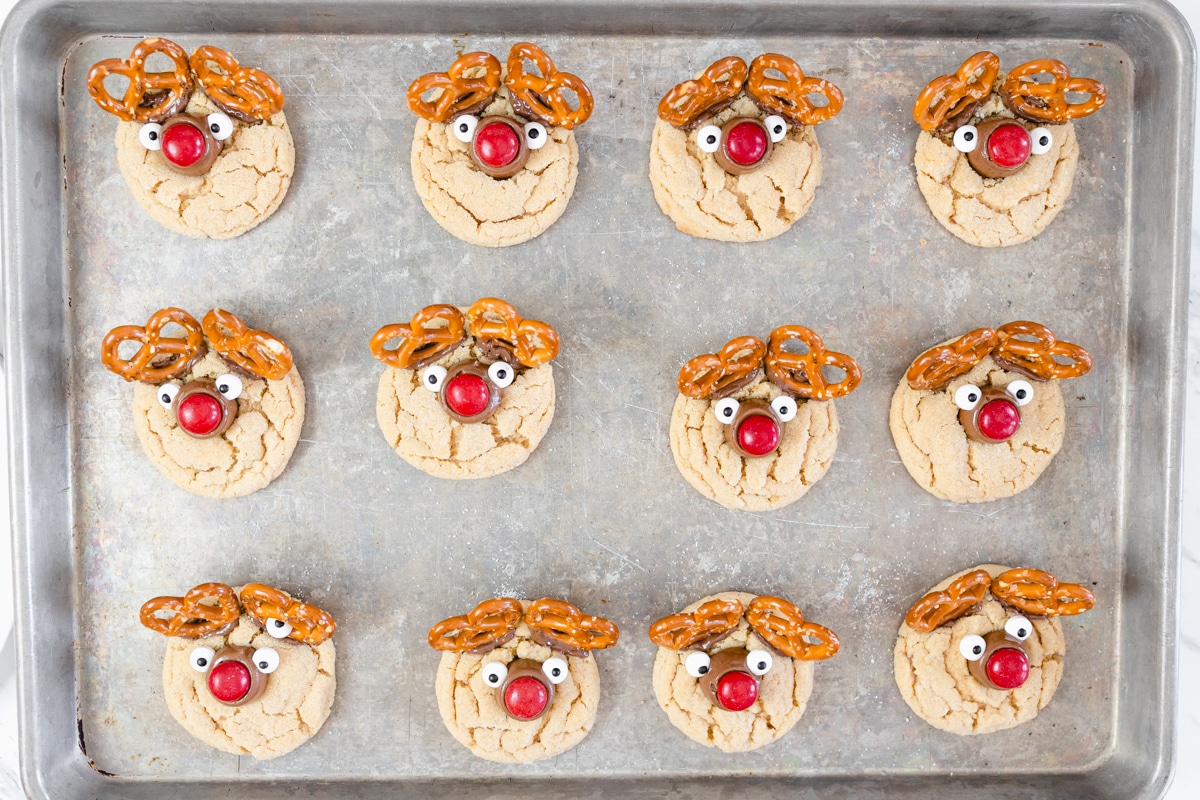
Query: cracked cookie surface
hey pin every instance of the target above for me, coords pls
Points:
(246, 184)
(783, 694)
(717, 471)
(423, 434)
(289, 712)
(705, 201)
(934, 680)
(485, 211)
(996, 212)
(245, 458)
(477, 720)
(939, 456)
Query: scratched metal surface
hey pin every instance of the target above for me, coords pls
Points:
(599, 514)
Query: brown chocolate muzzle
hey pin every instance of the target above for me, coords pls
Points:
(1004, 664)
(187, 145)
(745, 145)
(995, 419)
(498, 147)
(526, 693)
(468, 394)
(233, 679)
(201, 411)
(1004, 148)
(755, 431)
(728, 683)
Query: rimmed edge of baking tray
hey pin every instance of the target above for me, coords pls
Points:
(42, 32)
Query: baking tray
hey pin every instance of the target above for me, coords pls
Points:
(598, 514)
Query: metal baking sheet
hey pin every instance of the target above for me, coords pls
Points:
(599, 514)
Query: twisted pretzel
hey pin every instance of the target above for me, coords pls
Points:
(1047, 102)
(247, 93)
(309, 624)
(716, 375)
(689, 102)
(938, 608)
(561, 626)
(424, 340)
(800, 373)
(531, 342)
(1036, 592)
(458, 93)
(158, 359)
(1037, 358)
(489, 624)
(781, 625)
(949, 100)
(254, 351)
(191, 617)
(939, 365)
(681, 631)
(789, 97)
(150, 96)
(541, 96)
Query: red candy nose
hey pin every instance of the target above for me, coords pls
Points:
(758, 435)
(183, 144)
(1008, 667)
(745, 143)
(229, 681)
(737, 691)
(467, 394)
(526, 697)
(1009, 145)
(199, 414)
(497, 144)
(999, 419)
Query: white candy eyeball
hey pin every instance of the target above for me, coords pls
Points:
(535, 135)
(1018, 628)
(201, 658)
(967, 396)
(759, 662)
(697, 663)
(776, 128)
(709, 138)
(555, 669)
(220, 125)
(502, 374)
(726, 409)
(1021, 392)
(1040, 141)
(784, 407)
(230, 386)
(494, 673)
(150, 135)
(464, 128)
(166, 394)
(266, 659)
(972, 647)
(433, 377)
(966, 139)
(278, 628)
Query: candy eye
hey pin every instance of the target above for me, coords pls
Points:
(555, 669)
(201, 658)
(166, 394)
(776, 128)
(966, 139)
(709, 138)
(266, 659)
(150, 135)
(784, 408)
(433, 377)
(535, 135)
(230, 386)
(697, 664)
(502, 374)
(220, 125)
(726, 409)
(1020, 391)
(967, 396)
(759, 662)
(278, 628)
(464, 127)
(1018, 628)
(494, 673)
(1040, 140)
(972, 647)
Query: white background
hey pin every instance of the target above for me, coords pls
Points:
(1187, 776)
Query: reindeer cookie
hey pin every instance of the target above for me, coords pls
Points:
(218, 406)
(997, 153)
(980, 417)
(250, 672)
(212, 163)
(496, 165)
(734, 671)
(983, 651)
(467, 395)
(734, 155)
(516, 682)
(754, 424)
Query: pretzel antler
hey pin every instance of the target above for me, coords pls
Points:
(253, 351)
(1036, 592)
(693, 100)
(433, 332)
(939, 365)
(246, 93)
(781, 624)
(541, 96)
(309, 624)
(789, 96)
(1047, 102)
(717, 375)
(561, 626)
(158, 358)
(949, 100)
(800, 373)
(1036, 358)
(469, 85)
(150, 96)
(524, 341)
(191, 617)
(710, 620)
(938, 608)
(485, 627)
